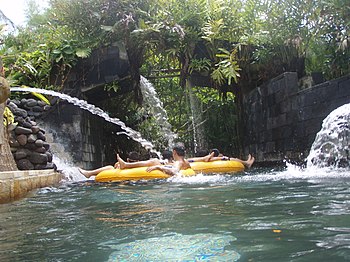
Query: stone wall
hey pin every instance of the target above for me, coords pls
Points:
(27, 138)
(75, 135)
(282, 118)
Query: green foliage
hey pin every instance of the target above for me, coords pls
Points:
(239, 41)
(199, 65)
(227, 68)
(221, 120)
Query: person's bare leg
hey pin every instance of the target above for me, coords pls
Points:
(202, 159)
(89, 173)
(124, 165)
(248, 163)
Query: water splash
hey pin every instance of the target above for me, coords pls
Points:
(331, 146)
(70, 172)
(136, 136)
(155, 106)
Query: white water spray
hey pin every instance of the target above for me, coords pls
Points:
(136, 136)
(332, 144)
(155, 106)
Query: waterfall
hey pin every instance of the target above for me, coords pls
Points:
(155, 107)
(332, 144)
(197, 120)
(136, 136)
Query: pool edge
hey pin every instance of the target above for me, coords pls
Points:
(15, 185)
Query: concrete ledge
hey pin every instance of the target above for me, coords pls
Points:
(17, 184)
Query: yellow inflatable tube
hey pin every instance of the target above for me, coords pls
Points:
(137, 173)
(220, 166)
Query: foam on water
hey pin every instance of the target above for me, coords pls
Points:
(70, 172)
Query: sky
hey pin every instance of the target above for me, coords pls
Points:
(14, 9)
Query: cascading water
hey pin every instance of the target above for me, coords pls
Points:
(331, 146)
(199, 140)
(155, 107)
(136, 136)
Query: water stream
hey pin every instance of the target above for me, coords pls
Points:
(155, 107)
(332, 144)
(135, 135)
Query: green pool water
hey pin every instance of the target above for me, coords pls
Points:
(260, 215)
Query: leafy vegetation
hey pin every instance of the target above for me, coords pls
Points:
(236, 44)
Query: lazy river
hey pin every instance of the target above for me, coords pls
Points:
(290, 214)
(282, 214)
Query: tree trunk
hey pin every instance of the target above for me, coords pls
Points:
(7, 163)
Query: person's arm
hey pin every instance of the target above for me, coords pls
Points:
(167, 170)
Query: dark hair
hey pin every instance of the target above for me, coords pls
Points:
(133, 156)
(201, 152)
(179, 149)
(216, 151)
(167, 154)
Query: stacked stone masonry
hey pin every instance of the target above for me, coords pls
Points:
(282, 118)
(27, 139)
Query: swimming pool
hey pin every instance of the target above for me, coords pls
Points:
(286, 214)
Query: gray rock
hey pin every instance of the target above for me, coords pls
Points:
(32, 138)
(39, 143)
(47, 146)
(37, 158)
(22, 131)
(37, 109)
(35, 129)
(41, 136)
(24, 164)
(14, 142)
(27, 124)
(20, 112)
(41, 103)
(30, 146)
(20, 154)
(31, 102)
(22, 139)
(41, 150)
(49, 156)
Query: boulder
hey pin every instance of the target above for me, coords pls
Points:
(22, 131)
(22, 140)
(24, 164)
(37, 158)
(32, 138)
(20, 154)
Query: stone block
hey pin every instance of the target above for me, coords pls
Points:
(37, 158)
(344, 89)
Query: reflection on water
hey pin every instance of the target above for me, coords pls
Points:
(266, 215)
(176, 247)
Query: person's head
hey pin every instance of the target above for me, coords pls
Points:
(167, 154)
(133, 157)
(179, 149)
(201, 152)
(216, 152)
